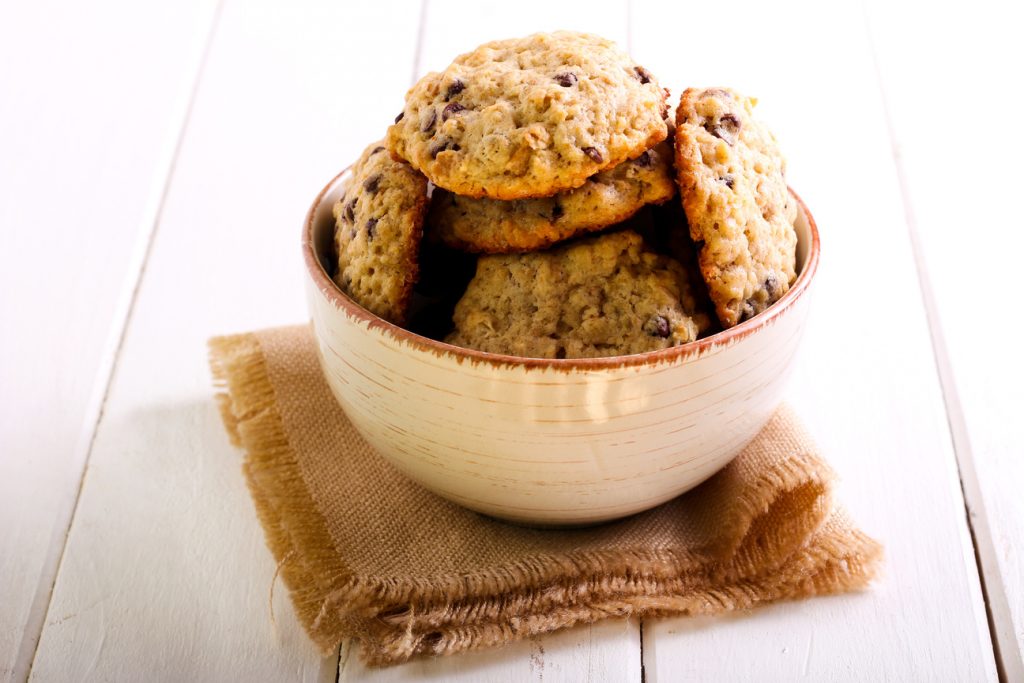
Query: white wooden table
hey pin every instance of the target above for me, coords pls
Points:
(156, 159)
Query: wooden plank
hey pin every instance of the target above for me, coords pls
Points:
(87, 138)
(165, 574)
(958, 187)
(865, 383)
(606, 651)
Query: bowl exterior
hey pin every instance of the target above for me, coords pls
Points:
(550, 445)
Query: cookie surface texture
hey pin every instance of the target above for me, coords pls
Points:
(378, 227)
(529, 117)
(733, 189)
(600, 296)
(494, 226)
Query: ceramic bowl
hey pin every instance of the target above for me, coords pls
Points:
(552, 442)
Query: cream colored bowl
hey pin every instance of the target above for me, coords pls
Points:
(553, 442)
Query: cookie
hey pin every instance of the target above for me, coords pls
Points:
(733, 189)
(494, 226)
(378, 227)
(600, 296)
(529, 117)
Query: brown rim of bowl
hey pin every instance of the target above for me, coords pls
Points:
(695, 348)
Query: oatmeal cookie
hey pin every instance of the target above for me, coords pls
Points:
(529, 117)
(494, 226)
(733, 188)
(378, 226)
(600, 296)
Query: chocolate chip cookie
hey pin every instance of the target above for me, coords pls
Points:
(494, 226)
(378, 226)
(733, 187)
(600, 296)
(529, 117)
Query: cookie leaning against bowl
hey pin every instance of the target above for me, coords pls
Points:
(529, 117)
(378, 226)
(601, 296)
(733, 188)
(494, 226)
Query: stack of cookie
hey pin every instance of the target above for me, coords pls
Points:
(523, 146)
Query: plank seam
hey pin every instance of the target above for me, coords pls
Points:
(420, 36)
(643, 668)
(629, 27)
(974, 508)
(40, 608)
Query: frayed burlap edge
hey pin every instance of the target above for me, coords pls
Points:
(296, 532)
(836, 562)
(399, 618)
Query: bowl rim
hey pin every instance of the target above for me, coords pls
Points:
(700, 347)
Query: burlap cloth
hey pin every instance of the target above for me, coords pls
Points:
(367, 554)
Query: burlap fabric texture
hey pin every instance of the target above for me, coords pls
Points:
(369, 555)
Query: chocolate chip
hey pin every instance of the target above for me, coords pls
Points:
(593, 153)
(429, 125)
(454, 89)
(658, 326)
(372, 183)
(727, 128)
(771, 283)
(728, 180)
(400, 116)
(644, 160)
(350, 213)
(375, 150)
(351, 235)
(566, 80)
(371, 229)
(451, 110)
(557, 212)
(442, 146)
(643, 74)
